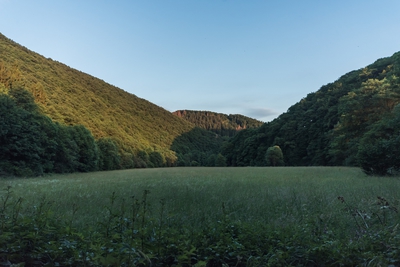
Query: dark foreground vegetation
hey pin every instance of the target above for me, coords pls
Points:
(131, 234)
(201, 217)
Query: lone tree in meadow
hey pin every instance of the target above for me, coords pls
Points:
(274, 156)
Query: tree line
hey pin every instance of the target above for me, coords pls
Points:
(32, 144)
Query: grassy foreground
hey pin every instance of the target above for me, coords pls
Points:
(214, 216)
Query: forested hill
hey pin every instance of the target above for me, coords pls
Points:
(71, 97)
(337, 125)
(222, 124)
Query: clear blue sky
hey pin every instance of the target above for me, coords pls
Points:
(255, 58)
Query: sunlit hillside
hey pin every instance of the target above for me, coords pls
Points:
(72, 97)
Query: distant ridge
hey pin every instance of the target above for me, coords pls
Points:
(222, 124)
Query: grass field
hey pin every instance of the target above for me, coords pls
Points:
(195, 195)
(336, 201)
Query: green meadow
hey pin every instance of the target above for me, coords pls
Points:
(194, 195)
(323, 208)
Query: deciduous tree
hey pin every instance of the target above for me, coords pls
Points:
(274, 156)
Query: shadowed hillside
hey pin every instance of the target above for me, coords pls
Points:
(352, 121)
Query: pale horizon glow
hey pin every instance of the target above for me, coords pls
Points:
(255, 58)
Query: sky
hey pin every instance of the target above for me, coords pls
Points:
(251, 57)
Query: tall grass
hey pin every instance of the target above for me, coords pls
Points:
(194, 196)
(205, 216)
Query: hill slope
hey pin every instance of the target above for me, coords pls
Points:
(328, 127)
(222, 124)
(72, 97)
